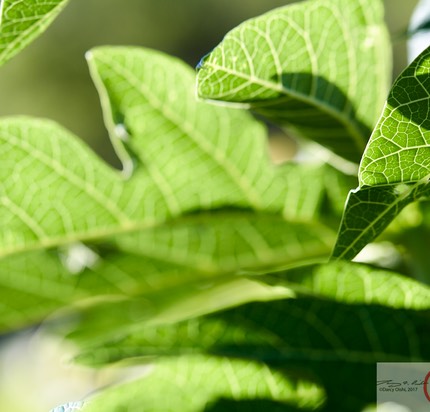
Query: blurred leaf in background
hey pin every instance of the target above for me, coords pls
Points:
(50, 79)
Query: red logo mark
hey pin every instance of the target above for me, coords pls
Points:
(426, 384)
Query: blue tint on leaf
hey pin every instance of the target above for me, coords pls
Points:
(69, 407)
(202, 61)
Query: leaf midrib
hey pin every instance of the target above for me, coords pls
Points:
(109, 232)
(400, 198)
(349, 124)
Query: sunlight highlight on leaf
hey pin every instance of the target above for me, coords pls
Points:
(193, 204)
(395, 168)
(317, 336)
(320, 68)
(204, 383)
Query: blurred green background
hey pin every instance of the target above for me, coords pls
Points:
(50, 79)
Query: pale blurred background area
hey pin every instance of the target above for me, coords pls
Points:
(50, 79)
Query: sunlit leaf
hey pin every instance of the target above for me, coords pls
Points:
(37, 283)
(201, 260)
(320, 68)
(196, 156)
(354, 283)
(205, 383)
(66, 194)
(398, 149)
(368, 213)
(191, 203)
(395, 168)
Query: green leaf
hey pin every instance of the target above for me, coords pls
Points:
(173, 272)
(342, 282)
(398, 151)
(54, 191)
(35, 284)
(369, 211)
(66, 194)
(194, 293)
(193, 201)
(395, 168)
(319, 67)
(230, 241)
(353, 283)
(95, 324)
(22, 21)
(198, 156)
(314, 192)
(154, 123)
(335, 343)
(205, 383)
(306, 190)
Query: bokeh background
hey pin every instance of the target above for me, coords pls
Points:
(50, 79)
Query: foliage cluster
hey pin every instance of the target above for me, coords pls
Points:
(231, 278)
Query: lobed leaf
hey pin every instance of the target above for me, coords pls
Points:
(54, 191)
(21, 21)
(190, 183)
(318, 67)
(198, 156)
(66, 194)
